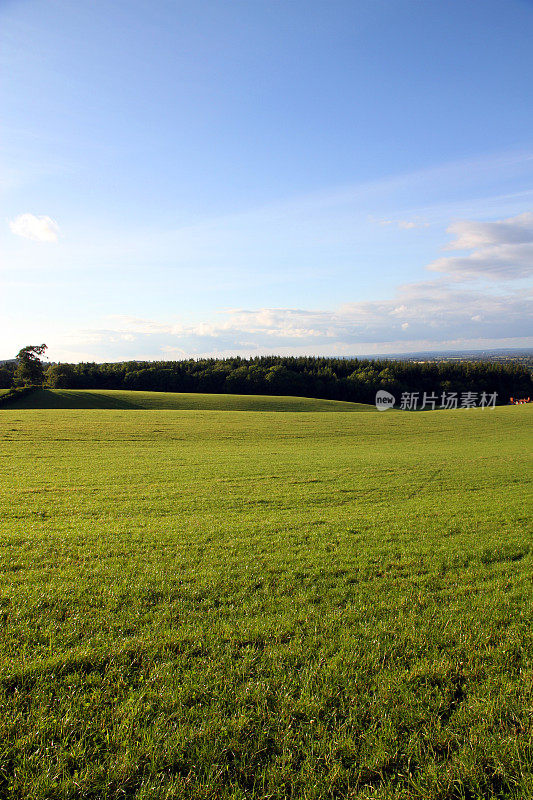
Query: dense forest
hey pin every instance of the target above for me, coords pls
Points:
(356, 380)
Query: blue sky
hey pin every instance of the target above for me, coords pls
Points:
(217, 177)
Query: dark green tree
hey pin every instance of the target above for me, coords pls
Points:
(29, 371)
(6, 376)
(61, 376)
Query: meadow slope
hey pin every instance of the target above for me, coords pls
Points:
(176, 401)
(262, 605)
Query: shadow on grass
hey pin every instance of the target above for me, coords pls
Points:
(44, 398)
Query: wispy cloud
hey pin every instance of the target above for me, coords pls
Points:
(471, 234)
(502, 250)
(433, 311)
(38, 229)
(402, 224)
(330, 230)
(439, 309)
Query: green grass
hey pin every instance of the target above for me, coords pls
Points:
(260, 605)
(122, 399)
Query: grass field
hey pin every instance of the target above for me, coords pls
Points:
(175, 401)
(263, 605)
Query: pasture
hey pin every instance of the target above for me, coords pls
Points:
(234, 604)
(178, 401)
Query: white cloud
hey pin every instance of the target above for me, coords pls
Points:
(438, 310)
(431, 311)
(174, 352)
(129, 325)
(38, 229)
(502, 250)
(473, 234)
(403, 224)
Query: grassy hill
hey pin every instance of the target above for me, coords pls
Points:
(122, 399)
(265, 605)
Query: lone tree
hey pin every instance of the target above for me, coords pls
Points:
(29, 371)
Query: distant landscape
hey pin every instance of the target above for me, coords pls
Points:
(518, 355)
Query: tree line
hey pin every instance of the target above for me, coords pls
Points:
(352, 379)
